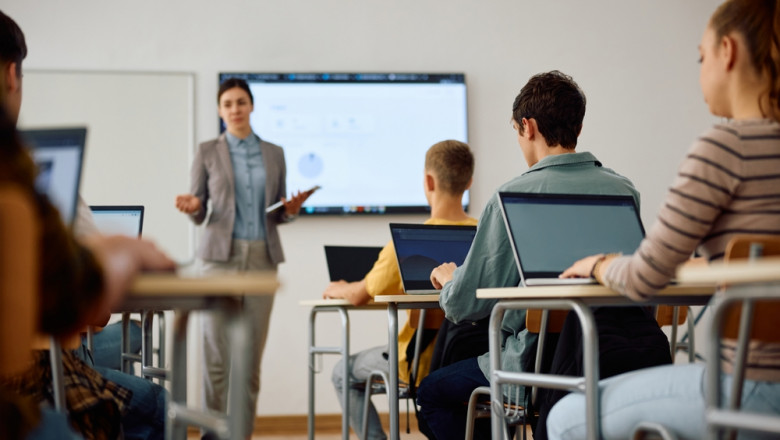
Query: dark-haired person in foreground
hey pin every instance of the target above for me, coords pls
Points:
(78, 282)
(547, 115)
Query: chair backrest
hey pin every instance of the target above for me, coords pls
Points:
(533, 320)
(18, 280)
(433, 318)
(765, 312)
(665, 315)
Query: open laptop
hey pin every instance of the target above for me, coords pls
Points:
(421, 248)
(127, 220)
(350, 263)
(59, 154)
(549, 232)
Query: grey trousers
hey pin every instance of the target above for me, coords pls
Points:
(245, 255)
(361, 364)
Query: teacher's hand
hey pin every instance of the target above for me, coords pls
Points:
(187, 203)
(293, 206)
(442, 275)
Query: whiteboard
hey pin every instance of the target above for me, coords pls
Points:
(140, 137)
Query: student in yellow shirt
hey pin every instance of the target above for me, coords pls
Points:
(449, 166)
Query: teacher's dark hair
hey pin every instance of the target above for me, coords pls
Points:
(232, 83)
(13, 48)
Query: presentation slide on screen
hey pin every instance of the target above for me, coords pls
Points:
(363, 143)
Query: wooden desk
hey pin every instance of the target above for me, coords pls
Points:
(764, 270)
(394, 303)
(163, 291)
(340, 306)
(579, 299)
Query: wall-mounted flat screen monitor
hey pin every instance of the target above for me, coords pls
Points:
(361, 137)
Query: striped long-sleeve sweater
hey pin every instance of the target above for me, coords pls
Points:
(728, 184)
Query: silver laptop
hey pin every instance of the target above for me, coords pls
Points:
(350, 263)
(549, 232)
(421, 248)
(127, 220)
(59, 154)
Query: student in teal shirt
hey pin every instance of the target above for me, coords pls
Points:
(547, 115)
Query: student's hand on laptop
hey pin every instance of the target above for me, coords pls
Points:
(336, 289)
(442, 275)
(122, 258)
(581, 268)
(187, 203)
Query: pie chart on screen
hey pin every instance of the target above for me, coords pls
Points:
(310, 165)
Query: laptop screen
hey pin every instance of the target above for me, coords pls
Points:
(350, 263)
(549, 232)
(421, 248)
(119, 220)
(58, 153)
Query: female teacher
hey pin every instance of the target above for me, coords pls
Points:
(241, 175)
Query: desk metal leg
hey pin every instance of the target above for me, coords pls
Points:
(147, 349)
(57, 375)
(587, 384)
(178, 396)
(239, 365)
(345, 385)
(392, 388)
(312, 372)
(344, 352)
(125, 363)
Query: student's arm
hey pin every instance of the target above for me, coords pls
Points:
(383, 279)
(489, 263)
(354, 292)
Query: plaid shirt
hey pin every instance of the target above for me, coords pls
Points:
(95, 405)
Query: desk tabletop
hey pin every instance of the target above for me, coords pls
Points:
(172, 284)
(593, 291)
(340, 303)
(383, 299)
(763, 270)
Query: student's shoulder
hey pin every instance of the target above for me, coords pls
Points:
(736, 136)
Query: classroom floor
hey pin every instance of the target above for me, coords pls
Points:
(413, 435)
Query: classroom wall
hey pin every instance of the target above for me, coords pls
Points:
(636, 61)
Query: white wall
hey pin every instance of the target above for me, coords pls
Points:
(635, 60)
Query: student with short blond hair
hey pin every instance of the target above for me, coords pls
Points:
(449, 166)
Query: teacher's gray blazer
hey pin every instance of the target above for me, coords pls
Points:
(212, 180)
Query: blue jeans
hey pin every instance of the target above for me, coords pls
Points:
(443, 396)
(361, 364)
(54, 425)
(144, 416)
(671, 395)
(107, 344)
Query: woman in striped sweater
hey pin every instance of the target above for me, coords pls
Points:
(727, 185)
